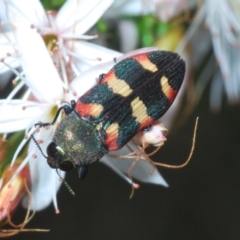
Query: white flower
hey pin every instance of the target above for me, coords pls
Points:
(46, 85)
(155, 136)
(224, 24)
(28, 50)
(164, 10)
(62, 33)
(223, 21)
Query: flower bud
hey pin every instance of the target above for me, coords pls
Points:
(155, 135)
(11, 192)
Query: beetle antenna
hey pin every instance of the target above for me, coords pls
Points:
(65, 183)
(38, 146)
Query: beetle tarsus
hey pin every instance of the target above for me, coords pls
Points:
(67, 110)
(40, 124)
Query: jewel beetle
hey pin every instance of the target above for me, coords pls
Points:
(129, 98)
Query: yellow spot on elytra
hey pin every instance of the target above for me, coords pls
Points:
(96, 109)
(120, 87)
(112, 129)
(166, 88)
(139, 110)
(148, 65)
(112, 135)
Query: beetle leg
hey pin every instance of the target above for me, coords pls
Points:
(66, 108)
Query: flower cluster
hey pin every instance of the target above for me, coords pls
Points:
(53, 62)
(56, 56)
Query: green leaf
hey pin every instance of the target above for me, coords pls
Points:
(9, 148)
(52, 4)
(102, 26)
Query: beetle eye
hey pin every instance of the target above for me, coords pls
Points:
(52, 150)
(57, 158)
(66, 166)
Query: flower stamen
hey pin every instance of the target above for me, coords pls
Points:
(12, 94)
(21, 145)
(51, 42)
(20, 227)
(21, 166)
(51, 21)
(80, 37)
(54, 195)
(79, 56)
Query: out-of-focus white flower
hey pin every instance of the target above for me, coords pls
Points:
(223, 21)
(126, 10)
(163, 9)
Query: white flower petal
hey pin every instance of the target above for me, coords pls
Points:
(142, 171)
(41, 74)
(166, 10)
(81, 17)
(88, 78)
(223, 23)
(14, 62)
(6, 43)
(129, 35)
(87, 54)
(14, 125)
(31, 10)
(3, 11)
(12, 116)
(7, 47)
(45, 181)
(94, 51)
(125, 7)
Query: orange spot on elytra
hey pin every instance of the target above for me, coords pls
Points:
(112, 136)
(146, 123)
(109, 76)
(89, 109)
(168, 91)
(111, 142)
(145, 62)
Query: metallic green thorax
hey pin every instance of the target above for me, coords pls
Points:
(79, 140)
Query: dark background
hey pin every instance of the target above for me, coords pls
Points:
(202, 202)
